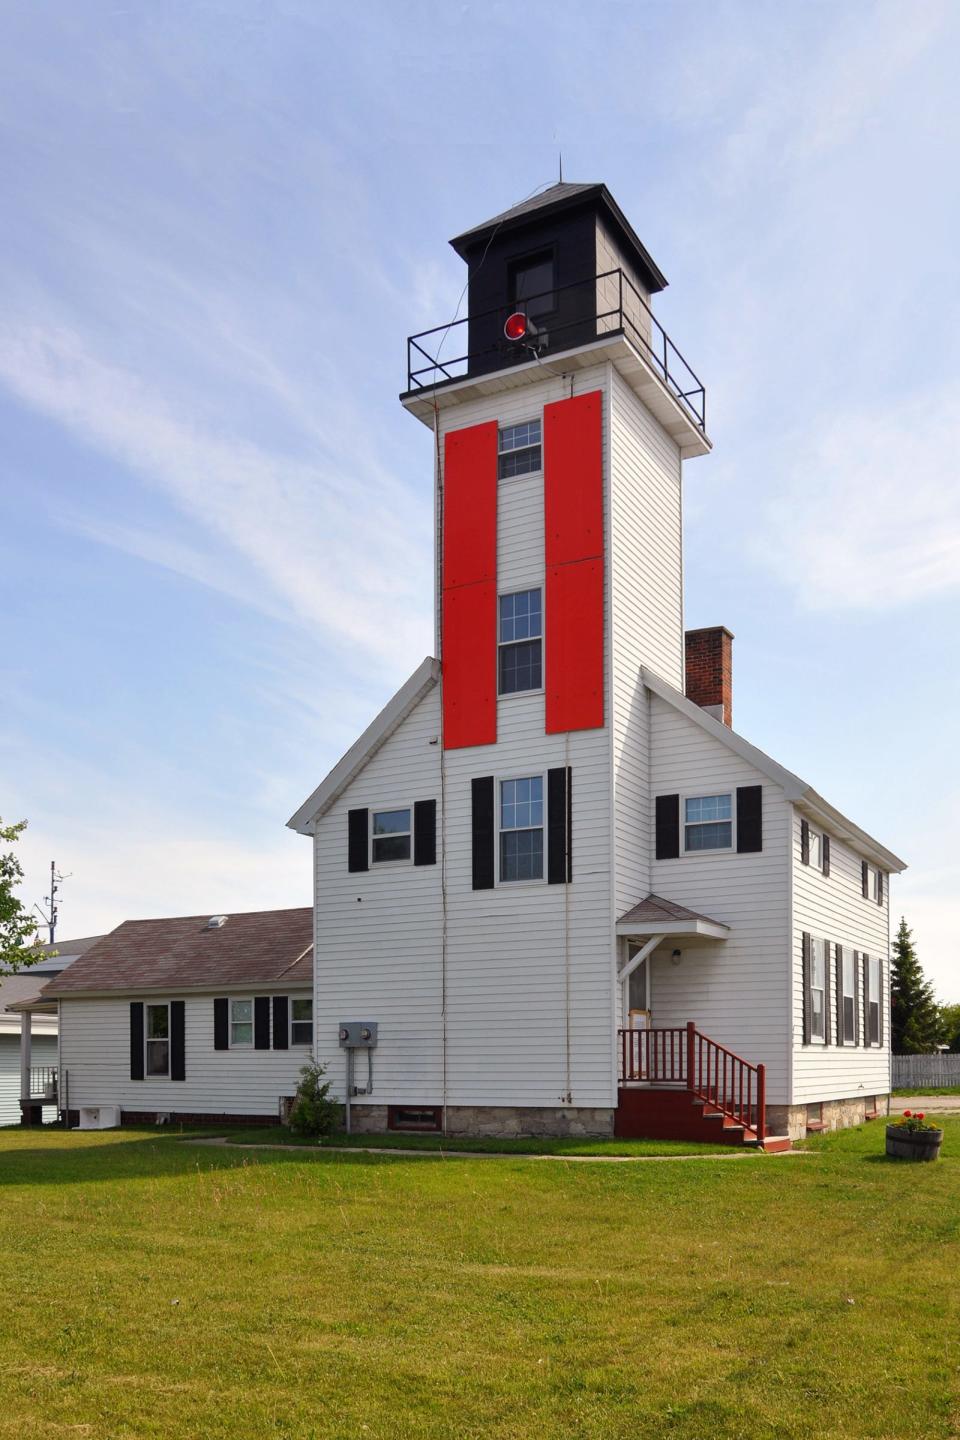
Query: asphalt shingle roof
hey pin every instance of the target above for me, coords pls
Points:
(258, 947)
(655, 909)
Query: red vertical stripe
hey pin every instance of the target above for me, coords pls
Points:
(573, 520)
(469, 600)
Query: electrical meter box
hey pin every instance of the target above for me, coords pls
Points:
(358, 1034)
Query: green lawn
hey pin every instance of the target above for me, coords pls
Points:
(395, 1140)
(156, 1288)
(929, 1090)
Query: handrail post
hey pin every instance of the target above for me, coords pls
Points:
(761, 1103)
(691, 1051)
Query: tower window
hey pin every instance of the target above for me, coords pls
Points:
(521, 829)
(521, 644)
(532, 282)
(519, 447)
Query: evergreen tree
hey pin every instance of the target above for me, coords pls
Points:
(915, 1023)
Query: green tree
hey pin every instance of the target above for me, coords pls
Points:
(19, 942)
(950, 1026)
(915, 1021)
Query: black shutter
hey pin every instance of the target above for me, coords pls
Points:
(281, 1027)
(261, 1022)
(136, 1039)
(856, 998)
(807, 1007)
(804, 843)
(483, 832)
(668, 827)
(559, 798)
(865, 879)
(358, 824)
(825, 852)
(749, 818)
(839, 993)
(881, 997)
(178, 1040)
(221, 1023)
(425, 832)
(865, 991)
(826, 991)
(879, 887)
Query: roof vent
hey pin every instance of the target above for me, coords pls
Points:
(217, 922)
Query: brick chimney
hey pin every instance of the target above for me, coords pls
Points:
(709, 671)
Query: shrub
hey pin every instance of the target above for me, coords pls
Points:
(314, 1113)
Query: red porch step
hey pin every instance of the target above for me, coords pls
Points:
(671, 1113)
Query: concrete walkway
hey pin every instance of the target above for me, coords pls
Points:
(929, 1104)
(221, 1140)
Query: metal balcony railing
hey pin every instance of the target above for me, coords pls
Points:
(600, 307)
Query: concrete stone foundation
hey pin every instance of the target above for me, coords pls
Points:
(798, 1121)
(501, 1121)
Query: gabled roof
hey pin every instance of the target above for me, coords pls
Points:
(566, 196)
(376, 734)
(257, 947)
(796, 790)
(657, 911)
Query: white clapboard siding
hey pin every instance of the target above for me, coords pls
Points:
(95, 1055)
(734, 990)
(646, 615)
(43, 1051)
(833, 907)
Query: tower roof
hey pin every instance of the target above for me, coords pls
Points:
(567, 195)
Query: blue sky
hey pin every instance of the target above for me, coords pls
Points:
(221, 220)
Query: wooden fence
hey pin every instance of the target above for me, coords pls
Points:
(923, 1070)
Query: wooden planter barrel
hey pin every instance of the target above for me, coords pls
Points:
(913, 1145)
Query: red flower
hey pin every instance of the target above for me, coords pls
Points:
(919, 1115)
(908, 1113)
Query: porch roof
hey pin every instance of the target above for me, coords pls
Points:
(657, 916)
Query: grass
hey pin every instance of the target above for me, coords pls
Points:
(929, 1090)
(158, 1289)
(395, 1140)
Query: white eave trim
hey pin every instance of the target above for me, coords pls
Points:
(376, 734)
(664, 929)
(796, 790)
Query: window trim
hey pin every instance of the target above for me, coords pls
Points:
(241, 1044)
(686, 795)
(149, 1005)
(501, 644)
(514, 424)
(498, 781)
(299, 1044)
(388, 864)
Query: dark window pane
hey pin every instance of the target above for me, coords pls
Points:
(158, 1019)
(710, 837)
(521, 855)
(390, 822)
(519, 462)
(301, 1032)
(533, 282)
(520, 616)
(158, 1057)
(520, 667)
(391, 847)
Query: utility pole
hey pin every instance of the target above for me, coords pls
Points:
(52, 913)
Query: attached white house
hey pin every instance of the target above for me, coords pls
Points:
(28, 1040)
(197, 1018)
(562, 892)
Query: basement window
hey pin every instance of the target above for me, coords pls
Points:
(519, 450)
(415, 1117)
(708, 823)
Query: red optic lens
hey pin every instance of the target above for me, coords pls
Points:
(516, 326)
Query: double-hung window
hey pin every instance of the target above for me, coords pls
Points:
(241, 1023)
(816, 850)
(520, 659)
(519, 450)
(708, 822)
(818, 988)
(521, 829)
(390, 835)
(158, 1039)
(873, 1002)
(848, 999)
(301, 1022)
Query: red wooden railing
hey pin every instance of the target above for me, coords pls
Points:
(714, 1074)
